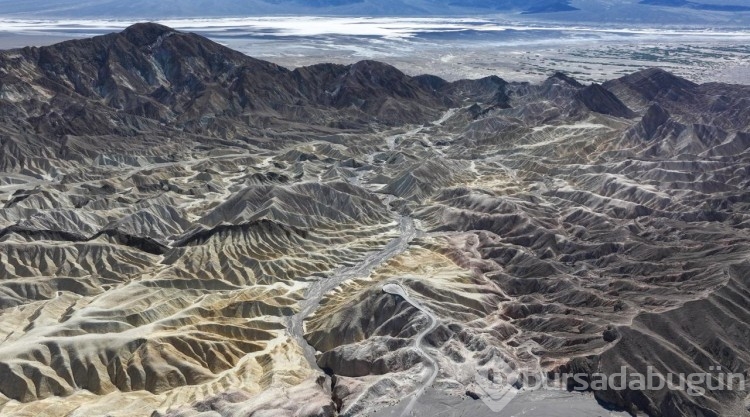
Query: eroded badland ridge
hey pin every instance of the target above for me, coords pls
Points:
(189, 231)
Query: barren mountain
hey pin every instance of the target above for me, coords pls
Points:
(188, 231)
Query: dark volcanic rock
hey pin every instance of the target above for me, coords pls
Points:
(649, 84)
(566, 78)
(601, 100)
(654, 118)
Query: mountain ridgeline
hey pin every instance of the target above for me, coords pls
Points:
(151, 79)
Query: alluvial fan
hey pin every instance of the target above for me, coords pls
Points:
(188, 231)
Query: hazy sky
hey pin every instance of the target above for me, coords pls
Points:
(622, 12)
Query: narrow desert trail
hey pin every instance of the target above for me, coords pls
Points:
(315, 293)
(396, 289)
(407, 231)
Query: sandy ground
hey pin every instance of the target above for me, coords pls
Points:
(699, 60)
(12, 40)
(530, 403)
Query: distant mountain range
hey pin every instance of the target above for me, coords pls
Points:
(185, 228)
(200, 8)
(697, 6)
(216, 8)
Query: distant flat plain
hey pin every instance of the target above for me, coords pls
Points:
(452, 48)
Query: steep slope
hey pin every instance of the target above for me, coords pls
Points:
(152, 79)
(150, 71)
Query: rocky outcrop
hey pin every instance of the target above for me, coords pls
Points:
(601, 100)
(645, 86)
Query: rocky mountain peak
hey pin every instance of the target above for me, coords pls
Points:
(648, 84)
(565, 78)
(144, 34)
(655, 116)
(601, 100)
